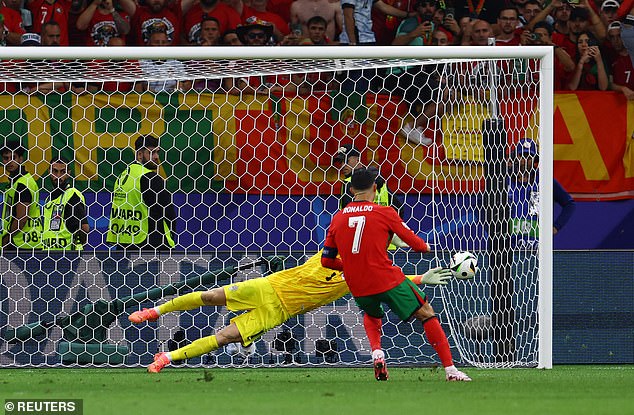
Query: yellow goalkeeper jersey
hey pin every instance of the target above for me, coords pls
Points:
(308, 286)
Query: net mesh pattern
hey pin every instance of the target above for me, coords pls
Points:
(246, 156)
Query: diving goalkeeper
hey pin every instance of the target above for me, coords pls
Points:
(270, 301)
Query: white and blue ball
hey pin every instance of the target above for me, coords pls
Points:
(463, 265)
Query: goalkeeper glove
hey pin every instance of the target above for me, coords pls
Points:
(397, 241)
(435, 276)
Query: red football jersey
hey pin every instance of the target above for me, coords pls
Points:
(623, 71)
(102, 28)
(361, 233)
(12, 20)
(45, 12)
(229, 19)
(144, 20)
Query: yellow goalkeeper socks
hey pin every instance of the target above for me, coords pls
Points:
(196, 348)
(184, 302)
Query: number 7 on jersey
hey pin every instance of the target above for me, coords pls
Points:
(357, 222)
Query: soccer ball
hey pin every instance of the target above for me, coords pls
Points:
(463, 265)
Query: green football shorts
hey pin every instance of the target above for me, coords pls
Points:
(404, 299)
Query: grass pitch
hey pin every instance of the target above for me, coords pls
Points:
(562, 390)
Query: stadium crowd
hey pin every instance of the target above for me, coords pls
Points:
(588, 35)
(593, 41)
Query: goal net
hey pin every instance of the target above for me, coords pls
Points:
(247, 141)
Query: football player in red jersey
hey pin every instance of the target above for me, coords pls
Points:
(360, 234)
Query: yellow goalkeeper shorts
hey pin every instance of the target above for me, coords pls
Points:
(264, 308)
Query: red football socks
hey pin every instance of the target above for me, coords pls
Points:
(372, 327)
(436, 336)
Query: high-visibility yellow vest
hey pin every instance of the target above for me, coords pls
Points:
(29, 237)
(129, 215)
(56, 236)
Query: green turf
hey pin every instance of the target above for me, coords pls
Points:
(562, 390)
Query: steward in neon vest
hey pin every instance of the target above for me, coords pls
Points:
(65, 215)
(21, 217)
(142, 214)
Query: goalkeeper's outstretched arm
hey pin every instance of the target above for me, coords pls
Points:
(435, 276)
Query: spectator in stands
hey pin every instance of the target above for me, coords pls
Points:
(210, 32)
(384, 25)
(255, 33)
(13, 26)
(160, 68)
(21, 217)
(27, 16)
(608, 12)
(562, 10)
(590, 72)
(258, 9)
(564, 64)
(30, 39)
(194, 13)
(417, 30)
(304, 10)
(142, 214)
(51, 34)
(51, 10)
(622, 71)
(65, 224)
(155, 15)
(103, 21)
(76, 37)
(507, 22)
(487, 10)
(476, 33)
(230, 38)
(357, 22)
(584, 18)
(577, 22)
(316, 32)
(441, 38)
(450, 26)
(529, 11)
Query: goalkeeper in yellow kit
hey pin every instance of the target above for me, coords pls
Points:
(268, 301)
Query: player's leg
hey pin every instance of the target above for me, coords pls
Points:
(199, 347)
(373, 323)
(185, 302)
(408, 300)
(438, 339)
(265, 312)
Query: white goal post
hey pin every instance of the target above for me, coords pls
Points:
(219, 149)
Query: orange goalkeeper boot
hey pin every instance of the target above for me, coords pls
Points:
(380, 369)
(147, 314)
(160, 361)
